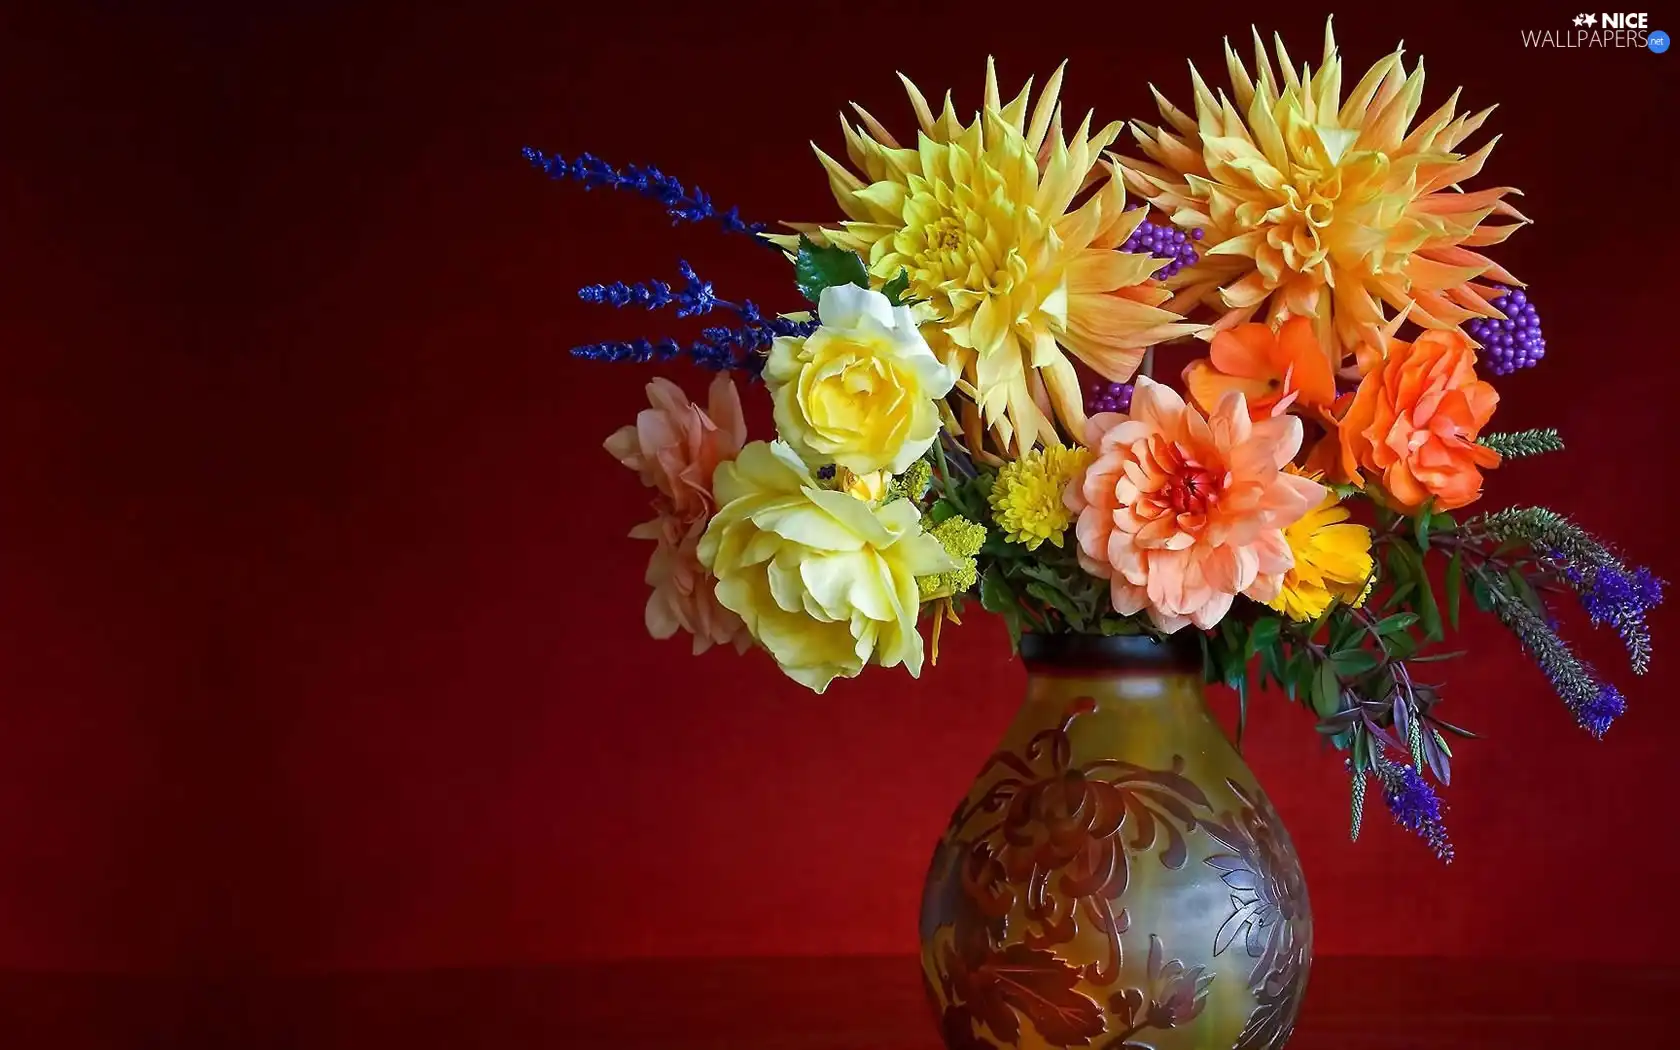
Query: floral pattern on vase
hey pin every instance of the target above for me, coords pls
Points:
(1098, 888)
(1267, 919)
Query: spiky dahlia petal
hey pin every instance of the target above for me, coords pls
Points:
(1335, 208)
(1010, 231)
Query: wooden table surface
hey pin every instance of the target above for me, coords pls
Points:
(792, 1004)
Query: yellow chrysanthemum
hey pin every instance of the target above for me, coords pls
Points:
(1026, 496)
(1332, 562)
(1315, 207)
(982, 219)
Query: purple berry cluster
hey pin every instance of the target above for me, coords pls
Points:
(1104, 396)
(1513, 343)
(1164, 242)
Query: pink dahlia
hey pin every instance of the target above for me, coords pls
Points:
(1181, 513)
(684, 595)
(676, 446)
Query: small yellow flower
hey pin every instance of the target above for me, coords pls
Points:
(871, 487)
(1332, 562)
(825, 581)
(1027, 495)
(862, 391)
(912, 484)
(962, 540)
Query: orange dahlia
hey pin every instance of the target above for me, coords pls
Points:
(1312, 206)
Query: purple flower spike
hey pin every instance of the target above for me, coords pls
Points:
(1416, 807)
(1596, 715)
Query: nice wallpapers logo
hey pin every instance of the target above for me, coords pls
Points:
(1615, 29)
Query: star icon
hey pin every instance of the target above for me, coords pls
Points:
(1592, 20)
(1580, 20)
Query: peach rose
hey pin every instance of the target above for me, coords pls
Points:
(1415, 420)
(676, 447)
(1182, 513)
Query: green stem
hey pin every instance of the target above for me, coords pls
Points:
(943, 468)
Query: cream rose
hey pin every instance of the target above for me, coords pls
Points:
(862, 390)
(823, 579)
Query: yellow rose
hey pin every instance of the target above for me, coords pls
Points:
(824, 580)
(862, 390)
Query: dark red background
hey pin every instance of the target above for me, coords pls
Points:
(319, 631)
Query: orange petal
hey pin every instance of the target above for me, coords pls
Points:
(1310, 369)
(1206, 384)
(1246, 350)
(1404, 488)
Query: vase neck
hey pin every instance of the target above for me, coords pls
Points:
(1100, 656)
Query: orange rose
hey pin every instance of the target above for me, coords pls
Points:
(1415, 420)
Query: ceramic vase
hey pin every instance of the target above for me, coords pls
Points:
(1115, 878)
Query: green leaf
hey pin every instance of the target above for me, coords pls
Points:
(1120, 625)
(1481, 591)
(1520, 585)
(1265, 634)
(1327, 691)
(1403, 559)
(1271, 664)
(1346, 632)
(816, 268)
(1235, 666)
(1352, 663)
(1428, 612)
(1401, 646)
(1398, 595)
(1210, 669)
(1058, 601)
(1455, 586)
(1420, 526)
(1231, 632)
(1395, 624)
(1443, 522)
(1302, 675)
(942, 510)
(997, 597)
(1323, 617)
(894, 289)
(1242, 710)
(1435, 658)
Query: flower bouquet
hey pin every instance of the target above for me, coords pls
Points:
(974, 409)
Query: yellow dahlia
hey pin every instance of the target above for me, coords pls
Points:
(1026, 495)
(1315, 207)
(1332, 562)
(982, 219)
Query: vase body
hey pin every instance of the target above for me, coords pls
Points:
(1115, 878)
